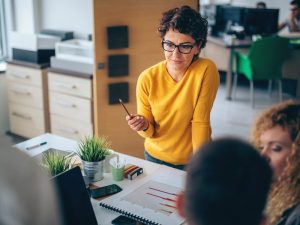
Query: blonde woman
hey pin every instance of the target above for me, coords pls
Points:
(276, 134)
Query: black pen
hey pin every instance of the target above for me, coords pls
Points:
(120, 100)
(35, 146)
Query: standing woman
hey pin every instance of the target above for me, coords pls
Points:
(277, 135)
(175, 96)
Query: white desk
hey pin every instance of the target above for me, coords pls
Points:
(104, 216)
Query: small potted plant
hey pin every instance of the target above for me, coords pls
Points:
(92, 151)
(56, 163)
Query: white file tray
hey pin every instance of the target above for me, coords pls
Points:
(75, 50)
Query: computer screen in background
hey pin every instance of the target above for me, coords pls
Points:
(260, 21)
(226, 16)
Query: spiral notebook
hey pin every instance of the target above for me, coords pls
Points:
(151, 202)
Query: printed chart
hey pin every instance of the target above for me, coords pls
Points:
(156, 196)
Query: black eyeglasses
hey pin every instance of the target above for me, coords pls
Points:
(182, 48)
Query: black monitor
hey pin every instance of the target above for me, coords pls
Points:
(225, 15)
(260, 21)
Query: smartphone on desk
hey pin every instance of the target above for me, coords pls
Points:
(105, 190)
(123, 220)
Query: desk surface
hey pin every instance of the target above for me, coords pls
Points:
(105, 216)
(244, 43)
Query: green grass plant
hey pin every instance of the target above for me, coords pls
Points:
(56, 162)
(93, 149)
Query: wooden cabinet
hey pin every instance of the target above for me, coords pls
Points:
(70, 100)
(27, 98)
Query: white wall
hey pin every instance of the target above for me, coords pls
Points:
(24, 13)
(74, 15)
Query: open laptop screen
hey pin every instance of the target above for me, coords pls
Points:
(74, 198)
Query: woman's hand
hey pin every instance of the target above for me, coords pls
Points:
(137, 122)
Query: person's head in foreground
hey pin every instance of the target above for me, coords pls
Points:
(276, 134)
(227, 184)
(183, 32)
(27, 197)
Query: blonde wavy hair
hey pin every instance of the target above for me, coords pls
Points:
(285, 191)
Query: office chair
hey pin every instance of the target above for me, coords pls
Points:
(263, 62)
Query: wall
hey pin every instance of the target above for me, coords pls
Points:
(74, 15)
(24, 13)
(30, 16)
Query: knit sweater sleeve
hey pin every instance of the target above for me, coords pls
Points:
(201, 129)
(143, 105)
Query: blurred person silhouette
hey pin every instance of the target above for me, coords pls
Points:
(293, 20)
(261, 5)
(227, 183)
(27, 197)
(276, 134)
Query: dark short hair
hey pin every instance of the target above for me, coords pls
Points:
(261, 4)
(187, 21)
(227, 183)
(295, 2)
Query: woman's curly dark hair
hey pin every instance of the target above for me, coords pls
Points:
(187, 21)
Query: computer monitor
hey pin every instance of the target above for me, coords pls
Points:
(225, 15)
(260, 21)
(74, 198)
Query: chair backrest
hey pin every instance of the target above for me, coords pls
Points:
(267, 56)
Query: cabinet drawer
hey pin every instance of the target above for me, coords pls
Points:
(71, 107)
(70, 85)
(26, 121)
(25, 95)
(70, 128)
(24, 75)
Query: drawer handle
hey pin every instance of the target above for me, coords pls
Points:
(21, 76)
(68, 130)
(63, 85)
(21, 92)
(25, 117)
(65, 104)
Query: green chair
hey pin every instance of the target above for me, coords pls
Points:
(263, 62)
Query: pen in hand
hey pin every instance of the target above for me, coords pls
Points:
(120, 100)
(35, 146)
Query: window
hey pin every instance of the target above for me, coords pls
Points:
(3, 33)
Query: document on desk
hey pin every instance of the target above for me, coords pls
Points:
(151, 201)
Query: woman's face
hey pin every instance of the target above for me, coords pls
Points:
(275, 146)
(176, 60)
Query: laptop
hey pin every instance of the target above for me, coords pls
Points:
(74, 199)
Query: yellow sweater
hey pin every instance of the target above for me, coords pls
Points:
(178, 112)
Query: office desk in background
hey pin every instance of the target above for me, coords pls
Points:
(105, 216)
(222, 54)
